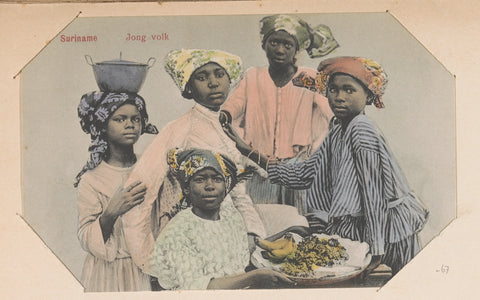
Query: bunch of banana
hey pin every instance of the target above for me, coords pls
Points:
(278, 250)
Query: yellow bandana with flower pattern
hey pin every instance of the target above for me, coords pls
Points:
(184, 164)
(180, 64)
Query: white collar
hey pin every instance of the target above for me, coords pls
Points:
(208, 113)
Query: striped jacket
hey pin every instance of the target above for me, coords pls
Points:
(354, 173)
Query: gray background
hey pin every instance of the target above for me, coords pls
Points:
(418, 120)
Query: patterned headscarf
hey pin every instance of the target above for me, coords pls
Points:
(185, 163)
(367, 71)
(181, 64)
(317, 41)
(94, 110)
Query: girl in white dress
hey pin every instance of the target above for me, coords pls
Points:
(115, 121)
(205, 245)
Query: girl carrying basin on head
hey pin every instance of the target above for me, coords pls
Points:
(115, 121)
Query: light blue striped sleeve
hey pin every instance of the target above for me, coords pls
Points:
(295, 176)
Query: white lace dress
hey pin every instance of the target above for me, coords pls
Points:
(190, 251)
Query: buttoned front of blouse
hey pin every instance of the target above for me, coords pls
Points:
(276, 119)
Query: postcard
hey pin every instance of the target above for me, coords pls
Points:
(414, 107)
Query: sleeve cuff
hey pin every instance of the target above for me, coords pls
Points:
(272, 171)
(377, 247)
(104, 250)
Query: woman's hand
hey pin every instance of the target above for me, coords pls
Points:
(122, 201)
(301, 152)
(260, 159)
(267, 278)
(125, 198)
(317, 223)
(243, 147)
(300, 230)
(260, 278)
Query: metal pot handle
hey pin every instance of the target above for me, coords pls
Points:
(89, 59)
(151, 59)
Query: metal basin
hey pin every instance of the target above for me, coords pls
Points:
(119, 75)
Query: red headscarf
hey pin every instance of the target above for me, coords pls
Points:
(365, 70)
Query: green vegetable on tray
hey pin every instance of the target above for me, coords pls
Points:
(312, 253)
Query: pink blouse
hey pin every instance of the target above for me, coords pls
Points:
(278, 121)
